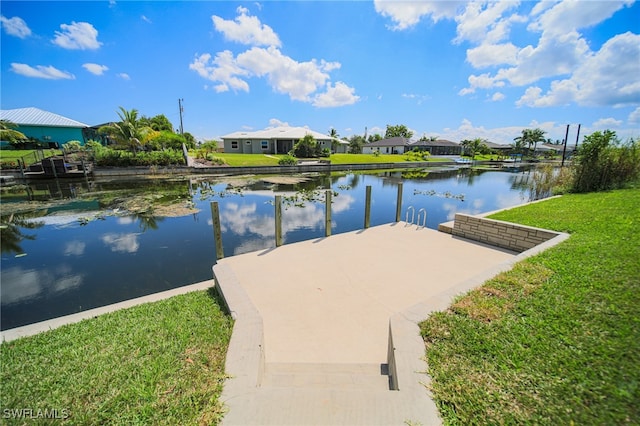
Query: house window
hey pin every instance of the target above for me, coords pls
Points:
(234, 144)
(247, 142)
(265, 145)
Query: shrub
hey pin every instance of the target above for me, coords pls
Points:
(120, 158)
(72, 146)
(287, 160)
(603, 162)
(216, 160)
(306, 147)
(166, 140)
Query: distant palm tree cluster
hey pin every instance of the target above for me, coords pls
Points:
(144, 134)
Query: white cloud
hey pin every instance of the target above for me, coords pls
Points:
(606, 123)
(77, 35)
(124, 76)
(145, 19)
(41, 71)
(246, 30)
(553, 56)
(567, 16)
(301, 81)
(338, 95)
(406, 14)
(274, 122)
(482, 81)
(285, 75)
(222, 69)
(95, 68)
(487, 55)
(606, 77)
(497, 97)
(634, 117)
(482, 22)
(15, 26)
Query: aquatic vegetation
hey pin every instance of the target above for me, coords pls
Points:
(446, 194)
(299, 198)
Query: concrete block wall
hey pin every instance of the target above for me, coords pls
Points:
(506, 235)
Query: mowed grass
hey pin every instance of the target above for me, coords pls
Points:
(158, 363)
(248, 160)
(27, 155)
(557, 339)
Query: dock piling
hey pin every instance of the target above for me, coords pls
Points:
(217, 233)
(399, 203)
(367, 208)
(327, 213)
(278, 220)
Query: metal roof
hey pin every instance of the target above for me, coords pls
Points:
(281, 132)
(37, 117)
(438, 142)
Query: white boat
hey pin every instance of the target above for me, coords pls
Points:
(463, 161)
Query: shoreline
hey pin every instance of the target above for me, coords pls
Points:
(100, 172)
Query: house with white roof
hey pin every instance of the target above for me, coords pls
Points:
(396, 145)
(277, 140)
(51, 129)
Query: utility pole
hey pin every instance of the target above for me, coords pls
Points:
(180, 108)
(564, 150)
(577, 137)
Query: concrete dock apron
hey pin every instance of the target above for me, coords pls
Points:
(310, 344)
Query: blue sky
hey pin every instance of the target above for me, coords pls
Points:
(455, 70)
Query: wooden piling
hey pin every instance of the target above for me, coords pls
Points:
(367, 208)
(399, 203)
(278, 220)
(217, 233)
(327, 213)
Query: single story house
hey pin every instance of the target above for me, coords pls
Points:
(438, 147)
(46, 127)
(571, 149)
(499, 148)
(277, 140)
(397, 145)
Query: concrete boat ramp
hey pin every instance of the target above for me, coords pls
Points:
(326, 330)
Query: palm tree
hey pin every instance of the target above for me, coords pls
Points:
(9, 134)
(333, 134)
(473, 147)
(129, 132)
(529, 137)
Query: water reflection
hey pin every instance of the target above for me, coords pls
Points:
(121, 243)
(20, 284)
(74, 246)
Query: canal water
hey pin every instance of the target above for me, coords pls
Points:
(73, 246)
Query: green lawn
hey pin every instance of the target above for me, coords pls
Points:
(27, 155)
(158, 363)
(557, 339)
(239, 160)
(243, 160)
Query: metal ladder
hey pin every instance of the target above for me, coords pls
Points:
(411, 209)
